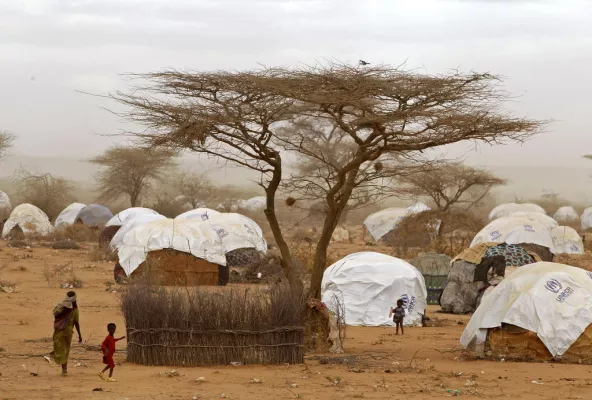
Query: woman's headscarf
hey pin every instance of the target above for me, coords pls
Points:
(69, 301)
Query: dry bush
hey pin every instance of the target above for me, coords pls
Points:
(102, 253)
(76, 232)
(304, 252)
(19, 244)
(213, 326)
(51, 194)
(62, 276)
(167, 206)
(5, 285)
(65, 245)
(416, 233)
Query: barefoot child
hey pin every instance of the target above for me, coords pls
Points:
(108, 349)
(398, 313)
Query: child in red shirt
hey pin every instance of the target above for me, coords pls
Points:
(108, 349)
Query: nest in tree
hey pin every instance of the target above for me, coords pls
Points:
(378, 166)
(290, 201)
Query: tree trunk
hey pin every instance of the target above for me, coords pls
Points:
(270, 192)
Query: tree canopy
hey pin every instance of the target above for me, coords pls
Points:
(349, 122)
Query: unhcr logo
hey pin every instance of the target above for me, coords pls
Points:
(553, 285)
(589, 274)
(405, 300)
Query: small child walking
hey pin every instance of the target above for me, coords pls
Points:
(108, 349)
(398, 313)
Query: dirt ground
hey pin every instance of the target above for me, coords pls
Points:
(424, 363)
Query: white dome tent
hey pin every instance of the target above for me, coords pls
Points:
(254, 204)
(29, 219)
(566, 214)
(567, 240)
(587, 219)
(515, 230)
(505, 210)
(554, 301)
(186, 236)
(368, 284)
(69, 215)
(544, 219)
(121, 217)
(382, 222)
(237, 232)
(201, 214)
(5, 206)
(132, 223)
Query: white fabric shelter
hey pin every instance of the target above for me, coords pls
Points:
(29, 218)
(132, 223)
(552, 300)
(587, 219)
(368, 284)
(515, 230)
(567, 240)
(188, 236)
(566, 214)
(209, 240)
(69, 214)
(254, 204)
(544, 219)
(382, 222)
(237, 232)
(121, 217)
(200, 214)
(505, 210)
(5, 205)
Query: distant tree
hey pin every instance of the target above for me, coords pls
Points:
(195, 188)
(259, 120)
(449, 185)
(51, 194)
(130, 171)
(6, 141)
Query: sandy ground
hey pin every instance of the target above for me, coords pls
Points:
(422, 364)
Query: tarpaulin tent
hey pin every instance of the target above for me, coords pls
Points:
(367, 284)
(29, 219)
(121, 217)
(566, 240)
(94, 215)
(566, 214)
(505, 210)
(543, 303)
(69, 215)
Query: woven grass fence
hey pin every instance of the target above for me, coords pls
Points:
(213, 326)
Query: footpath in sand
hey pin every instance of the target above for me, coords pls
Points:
(423, 364)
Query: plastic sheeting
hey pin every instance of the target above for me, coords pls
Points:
(5, 205)
(566, 214)
(69, 215)
(505, 210)
(544, 219)
(552, 300)
(368, 284)
(515, 230)
(382, 222)
(209, 240)
(567, 240)
(29, 218)
(188, 236)
(254, 204)
(120, 218)
(587, 219)
(132, 223)
(201, 214)
(95, 215)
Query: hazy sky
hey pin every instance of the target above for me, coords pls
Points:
(49, 49)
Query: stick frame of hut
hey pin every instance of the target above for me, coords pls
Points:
(213, 326)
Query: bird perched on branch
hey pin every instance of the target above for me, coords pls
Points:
(362, 62)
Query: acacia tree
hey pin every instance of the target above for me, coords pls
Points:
(195, 188)
(449, 185)
(249, 119)
(130, 171)
(51, 194)
(6, 141)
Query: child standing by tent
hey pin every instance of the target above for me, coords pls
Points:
(398, 313)
(108, 349)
